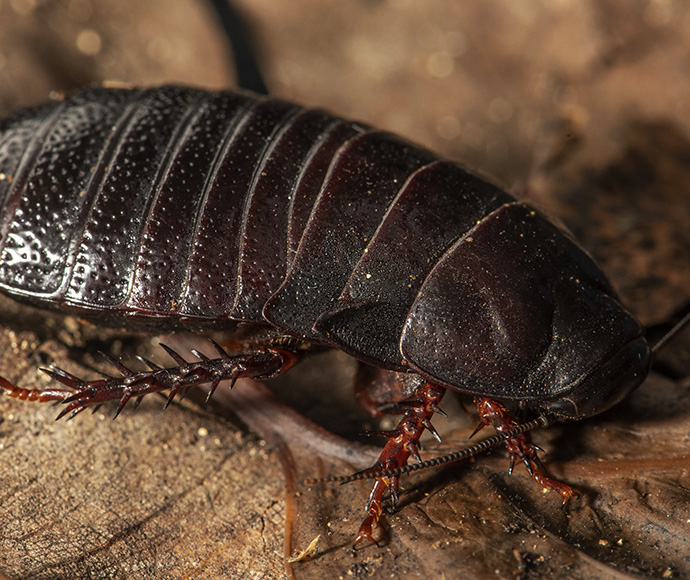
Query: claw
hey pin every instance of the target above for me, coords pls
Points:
(366, 531)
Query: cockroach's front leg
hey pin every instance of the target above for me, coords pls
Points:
(519, 447)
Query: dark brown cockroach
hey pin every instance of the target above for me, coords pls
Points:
(180, 208)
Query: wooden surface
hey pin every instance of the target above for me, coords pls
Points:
(582, 106)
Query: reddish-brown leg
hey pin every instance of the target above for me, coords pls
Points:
(520, 447)
(403, 442)
(262, 363)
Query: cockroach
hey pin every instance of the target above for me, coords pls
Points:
(176, 208)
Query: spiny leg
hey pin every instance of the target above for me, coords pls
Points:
(263, 363)
(519, 447)
(403, 441)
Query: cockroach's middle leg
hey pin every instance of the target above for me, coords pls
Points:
(403, 442)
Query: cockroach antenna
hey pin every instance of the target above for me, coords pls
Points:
(481, 447)
(664, 340)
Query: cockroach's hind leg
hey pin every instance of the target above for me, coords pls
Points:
(260, 364)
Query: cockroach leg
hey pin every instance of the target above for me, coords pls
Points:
(381, 391)
(262, 363)
(402, 444)
(519, 447)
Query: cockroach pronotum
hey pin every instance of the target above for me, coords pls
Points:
(177, 208)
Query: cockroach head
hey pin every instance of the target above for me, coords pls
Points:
(605, 385)
(518, 311)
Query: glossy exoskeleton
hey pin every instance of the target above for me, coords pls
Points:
(176, 207)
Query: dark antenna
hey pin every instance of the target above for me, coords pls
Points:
(371, 473)
(249, 75)
(664, 340)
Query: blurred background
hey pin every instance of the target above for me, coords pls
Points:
(580, 106)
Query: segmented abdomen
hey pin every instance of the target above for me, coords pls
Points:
(182, 206)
